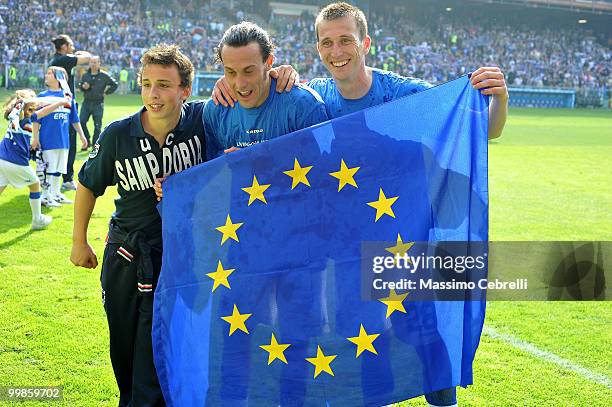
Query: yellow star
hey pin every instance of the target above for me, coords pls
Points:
(345, 176)
(383, 205)
(236, 321)
(298, 174)
(256, 191)
(364, 341)
(394, 302)
(229, 230)
(400, 248)
(275, 350)
(321, 362)
(220, 276)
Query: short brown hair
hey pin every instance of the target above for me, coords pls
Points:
(166, 55)
(341, 9)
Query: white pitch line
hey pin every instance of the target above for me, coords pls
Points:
(547, 356)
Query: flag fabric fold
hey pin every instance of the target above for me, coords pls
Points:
(260, 300)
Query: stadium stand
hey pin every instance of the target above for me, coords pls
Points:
(536, 47)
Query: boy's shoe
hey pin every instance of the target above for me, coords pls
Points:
(41, 222)
(50, 202)
(61, 198)
(69, 186)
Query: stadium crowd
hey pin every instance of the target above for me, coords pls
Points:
(426, 44)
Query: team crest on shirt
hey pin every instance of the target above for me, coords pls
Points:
(94, 151)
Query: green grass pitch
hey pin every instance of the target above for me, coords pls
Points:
(550, 179)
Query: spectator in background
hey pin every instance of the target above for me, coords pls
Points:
(65, 57)
(15, 168)
(421, 42)
(12, 76)
(123, 81)
(95, 84)
(50, 134)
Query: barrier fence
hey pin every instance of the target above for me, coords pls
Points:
(26, 75)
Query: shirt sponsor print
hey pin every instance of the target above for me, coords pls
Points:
(139, 173)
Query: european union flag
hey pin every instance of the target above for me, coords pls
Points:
(259, 301)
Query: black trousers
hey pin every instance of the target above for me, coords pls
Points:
(129, 314)
(69, 175)
(95, 110)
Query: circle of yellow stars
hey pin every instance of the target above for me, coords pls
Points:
(364, 341)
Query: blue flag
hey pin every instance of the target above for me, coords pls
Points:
(260, 299)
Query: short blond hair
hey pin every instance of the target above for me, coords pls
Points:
(341, 9)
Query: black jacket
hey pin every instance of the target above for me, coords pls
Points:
(100, 84)
(67, 62)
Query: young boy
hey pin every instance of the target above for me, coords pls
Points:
(164, 137)
(15, 149)
(51, 135)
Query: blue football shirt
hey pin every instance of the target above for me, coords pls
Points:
(15, 146)
(281, 113)
(54, 127)
(386, 86)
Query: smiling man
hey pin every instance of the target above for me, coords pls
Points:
(164, 137)
(343, 43)
(261, 114)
